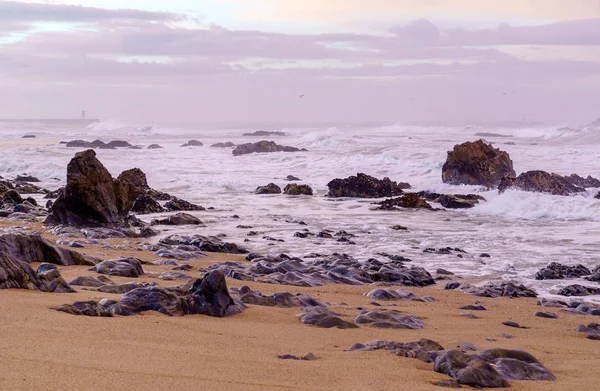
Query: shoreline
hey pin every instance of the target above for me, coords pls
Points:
(56, 350)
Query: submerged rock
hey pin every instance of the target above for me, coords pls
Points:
(262, 147)
(264, 133)
(476, 163)
(365, 186)
(296, 189)
(410, 201)
(271, 188)
(154, 146)
(193, 143)
(539, 182)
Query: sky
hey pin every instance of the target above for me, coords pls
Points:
(464, 61)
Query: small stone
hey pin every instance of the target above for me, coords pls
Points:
(510, 323)
(309, 357)
(548, 315)
(473, 308)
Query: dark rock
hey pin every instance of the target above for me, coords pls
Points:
(476, 163)
(176, 205)
(228, 144)
(399, 228)
(365, 186)
(390, 294)
(262, 147)
(516, 365)
(34, 248)
(28, 136)
(126, 267)
(469, 370)
(212, 296)
(485, 255)
(193, 143)
(411, 201)
(295, 189)
(578, 181)
(178, 219)
(16, 274)
(578, 290)
(90, 281)
(91, 196)
(145, 204)
(291, 178)
(540, 182)
(504, 289)
(472, 308)
(322, 317)
(271, 188)
(203, 243)
(26, 178)
(264, 133)
(556, 271)
(592, 330)
(444, 272)
(389, 320)
(154, 146)
(306, 357)
(455, 202)
(424, 349)
(87, 308)
(11, 197)
(118, 144)
(548, 315)
(510, 323)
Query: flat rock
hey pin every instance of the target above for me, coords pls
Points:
(263, 147)
(125, 267)
(365, 186)
(389, 319)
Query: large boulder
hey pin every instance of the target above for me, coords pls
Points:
(16, 274)
(476, 163)
(539, 182)
(410, 201)
(213, 297)
(271, 188)
(263, 146)
(34, 248)
(365, 186)
(296, 189)
(91, 196)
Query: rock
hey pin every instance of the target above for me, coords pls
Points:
(228, 144)
(16, 274)
(118, 144)
(473, 308)
(504, 289)
(510, 323)
(597, 196)
(295, 189)
(212, 296)
(399, 228)
(424, 349)
(539, 182)
(176, 204)
(87, 308)
(145, 204)
(556, 271)
(578, 290)
(30, 248)
(11, 197)
(203, 243)
(390, 295)
(469, 370)
(516, 365)
(179, 219)
(389, 320)
(193, 143)
(592, 330)
(411, 201)
(26, 178)
(365, 186)
(322, 317)
(125, 267)
(548, 315)
(90, 281)
(291, 178)
(28, 136)
(262, 147)
(578, 181)
(271, 188)
(476, 163)
(91, 196)
(264, 133)
(456, 202)
(154, 146)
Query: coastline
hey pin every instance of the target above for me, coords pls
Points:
(54, 350)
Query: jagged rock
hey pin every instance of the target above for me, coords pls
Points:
(476, 163)
(295, 189)
(154, 146)
(145, 204)
(262, 147)
(16, 274)
(193, 143)
(365, 186)
(291, 178)
(30, 248)
(271, 188)
(578, 181)
(539, 182)
(389, 320)
(212, 296)
(228, 144)
(411, 201)
(322, 317)
(11, 197)
(125, 267)
(203, 243)
(26, 178)
(555, 271)
(578, 290)
(176, 205)
(264, 133)
(91, 196)
(451, 201)
(179, 219)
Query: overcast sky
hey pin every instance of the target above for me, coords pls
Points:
(250, 60)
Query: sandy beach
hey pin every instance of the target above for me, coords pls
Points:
(43, 348)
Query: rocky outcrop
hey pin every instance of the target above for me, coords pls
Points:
(178, 219)
(539, 182)
(296, 189)
(365, 186)
(91, 196)
(26, 178)
(16, 274)
(228, 144)
(452, 201)
(408, 201)
(556, 271)
(476, 163)
(264, 133)
(145, 204)
(578, 181)
(271, 188)
(193, 143)
(578, 290)
(34, 248)
(263, 147)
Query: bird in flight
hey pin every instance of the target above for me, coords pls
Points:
(301, 96)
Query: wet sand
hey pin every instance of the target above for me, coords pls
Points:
(44, 349)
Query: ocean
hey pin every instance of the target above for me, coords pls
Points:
(521, 231)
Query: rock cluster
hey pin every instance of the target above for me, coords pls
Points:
(271, 188)
(407, 201)
(16, 274)
(383, 294)
(556, 271)
(264, 133)
(98, 144)
(494, 290)
(262, 147)
(30, 248)
(365, 186)
(476, 163)
(540, 182)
